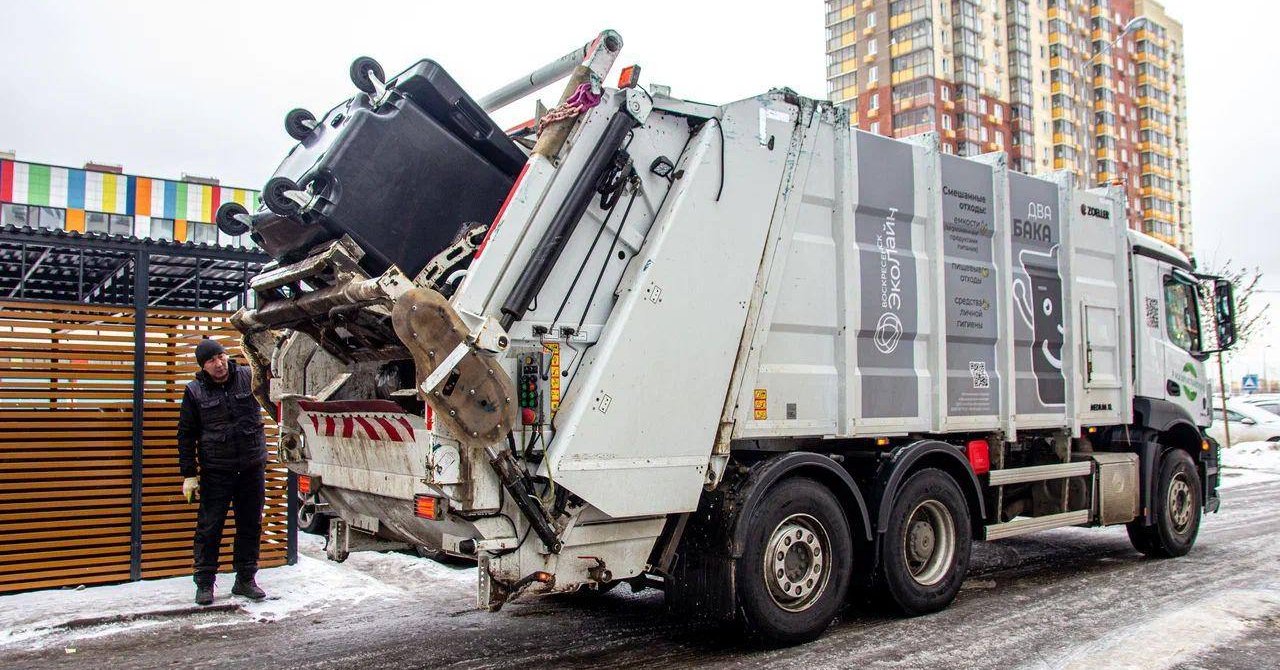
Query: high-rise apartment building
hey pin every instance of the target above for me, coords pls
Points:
(1072, 85)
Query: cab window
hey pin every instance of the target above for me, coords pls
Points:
(1182, 318)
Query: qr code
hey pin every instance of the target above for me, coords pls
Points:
(978, 370)
(1153, 313)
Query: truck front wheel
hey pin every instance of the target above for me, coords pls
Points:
(797, 561)
(926, 544)
(1177, 509)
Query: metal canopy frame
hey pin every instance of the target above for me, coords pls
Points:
(59, 266)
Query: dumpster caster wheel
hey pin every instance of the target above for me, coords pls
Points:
(273, 196)
(231, 219)
(299, 123)
(364, 72)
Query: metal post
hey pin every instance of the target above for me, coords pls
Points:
(22, 283)
(291, 525)
(141, 262)
(1222, 383)
(549, 73)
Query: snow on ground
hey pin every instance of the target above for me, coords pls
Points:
(43, 618)
(1250, 463)
(1178, 635)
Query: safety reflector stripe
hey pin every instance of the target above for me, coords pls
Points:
(377, 428)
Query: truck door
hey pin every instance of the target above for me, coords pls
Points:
(1180, 338)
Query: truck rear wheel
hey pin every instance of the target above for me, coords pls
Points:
(926, 544)
(1177, 507)
(794, 574)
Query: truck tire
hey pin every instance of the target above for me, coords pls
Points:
(1177, 507)
(797, 561)
(927, 543)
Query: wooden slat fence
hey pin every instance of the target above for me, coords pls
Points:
(68, 468)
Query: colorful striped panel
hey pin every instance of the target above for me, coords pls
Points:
(195, 201)
(18, 185)
(75, 220)
(75, 189)
(6, 181)
(38, 185)
(141, 196)
(110, 192)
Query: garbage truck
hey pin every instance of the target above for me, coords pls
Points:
(743, 353)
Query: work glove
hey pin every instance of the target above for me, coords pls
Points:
(191, 488)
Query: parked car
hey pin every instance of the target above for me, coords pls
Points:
(1267, 401)
(1248, 422)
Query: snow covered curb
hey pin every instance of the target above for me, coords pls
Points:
(43, 618)
(1250, 463)
(306, 587)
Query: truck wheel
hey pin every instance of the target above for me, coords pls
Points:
(1177, 508)
(796, 564)
(926, 544)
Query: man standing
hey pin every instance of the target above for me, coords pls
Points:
(222, 452)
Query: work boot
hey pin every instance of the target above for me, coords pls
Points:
(247, 588)
(204, 594)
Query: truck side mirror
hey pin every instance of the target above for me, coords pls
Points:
(1224, 312)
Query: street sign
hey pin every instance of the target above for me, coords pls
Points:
(1249, 384)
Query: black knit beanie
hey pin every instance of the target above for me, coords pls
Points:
(206, 350)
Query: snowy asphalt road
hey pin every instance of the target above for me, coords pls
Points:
(1067, 598)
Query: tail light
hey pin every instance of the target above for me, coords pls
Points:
(428, 507)
(979, 453)
(304, 485)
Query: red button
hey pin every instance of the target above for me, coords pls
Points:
(528, 416)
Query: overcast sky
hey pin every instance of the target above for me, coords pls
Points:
(169, 87)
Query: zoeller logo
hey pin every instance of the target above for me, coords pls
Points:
(1187, 390)
(1095, 212)
(888, 332)
(889, 327)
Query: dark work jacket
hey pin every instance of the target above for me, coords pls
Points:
(220, 427)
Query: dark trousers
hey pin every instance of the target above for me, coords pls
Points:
(244, 491)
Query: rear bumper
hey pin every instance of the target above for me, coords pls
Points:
(391, 519)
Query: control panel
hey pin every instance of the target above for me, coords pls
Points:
(527, 382)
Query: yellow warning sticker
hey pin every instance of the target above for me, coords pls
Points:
(553, 374)
(761, 405)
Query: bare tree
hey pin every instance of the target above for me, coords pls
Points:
(1249, 321)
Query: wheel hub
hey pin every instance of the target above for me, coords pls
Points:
(796, 565)
(929, 543)
(1181, 504)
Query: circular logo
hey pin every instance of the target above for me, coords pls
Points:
(888, 332)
